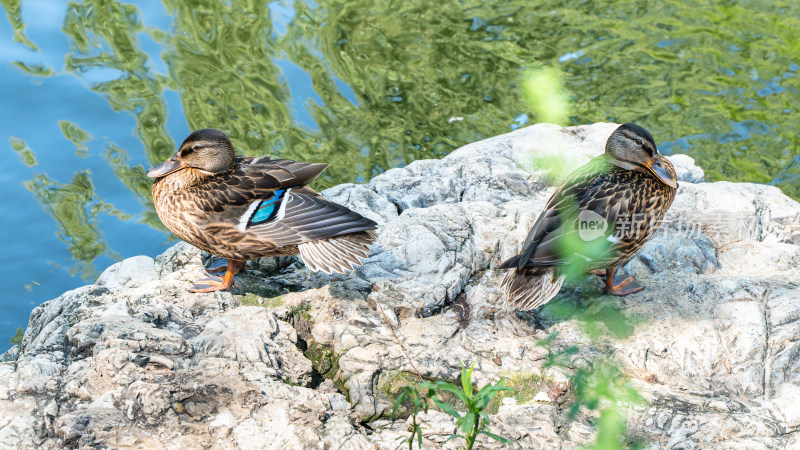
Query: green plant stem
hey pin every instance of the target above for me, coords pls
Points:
(413, 431)
(473, 433)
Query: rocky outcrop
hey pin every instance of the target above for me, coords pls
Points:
(294, 359)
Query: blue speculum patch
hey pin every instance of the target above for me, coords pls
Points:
(268, 208)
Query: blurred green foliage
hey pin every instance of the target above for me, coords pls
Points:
(603, 387)
(555, 167)
(598, 385)
(544, 90)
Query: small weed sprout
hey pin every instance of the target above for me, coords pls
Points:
(475, 421)
(410, 393)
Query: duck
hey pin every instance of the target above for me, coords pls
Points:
(242, 208)
(595, 221)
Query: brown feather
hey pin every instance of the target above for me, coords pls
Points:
(337, 254)
(531, 288)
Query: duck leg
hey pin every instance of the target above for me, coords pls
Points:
(217, 265)
(617, 286)
(212, 284)
(220, 265)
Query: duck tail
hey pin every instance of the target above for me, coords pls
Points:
(338, 253)
(531, 287)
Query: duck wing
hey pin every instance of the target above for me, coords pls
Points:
(267, 200)
(299, 216)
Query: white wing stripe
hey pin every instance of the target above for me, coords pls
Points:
(284, 201)
(245, 219)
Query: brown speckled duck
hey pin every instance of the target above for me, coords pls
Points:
(242, 208)
(629, 188)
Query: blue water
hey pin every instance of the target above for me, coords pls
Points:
(36, 263)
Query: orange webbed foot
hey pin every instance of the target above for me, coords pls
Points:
(213, 284)
(210, 284)
(621, 285)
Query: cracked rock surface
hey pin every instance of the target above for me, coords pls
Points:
(294, 359)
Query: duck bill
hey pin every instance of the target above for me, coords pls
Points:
(166, 168)
(655, 166)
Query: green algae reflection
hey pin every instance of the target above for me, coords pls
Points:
(75, 207)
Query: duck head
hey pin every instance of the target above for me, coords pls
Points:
(209, 151)
(633, 148)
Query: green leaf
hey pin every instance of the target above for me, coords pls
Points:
(481, 402)
(547, 341)
(447, 408)
(487, 393)
(573, 410)
(453, 436)
(449, 387)
(610, 428)
(492, 389)
(398, 401)
(427, 385)
(496, 437)
(466, 379)
(544, 90)
(467, 422)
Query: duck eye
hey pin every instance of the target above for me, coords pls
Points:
(186, 151)
(639, 142)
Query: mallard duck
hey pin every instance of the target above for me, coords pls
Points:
(242, 208)
(616, 200)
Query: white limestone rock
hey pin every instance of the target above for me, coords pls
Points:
(132, 272)
(137, 361)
